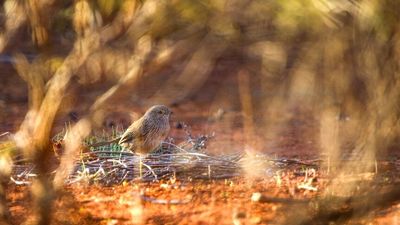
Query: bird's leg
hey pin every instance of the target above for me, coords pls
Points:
(140, 166)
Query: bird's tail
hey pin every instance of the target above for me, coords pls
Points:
(98, 144)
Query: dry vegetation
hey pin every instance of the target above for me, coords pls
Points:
(303, 97)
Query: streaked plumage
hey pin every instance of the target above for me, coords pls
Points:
(147, 133)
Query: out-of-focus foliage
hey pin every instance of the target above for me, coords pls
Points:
(109, 8)
(300, 16)
(338, 61)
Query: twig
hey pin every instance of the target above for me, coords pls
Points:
(17, 182)
(5, 133)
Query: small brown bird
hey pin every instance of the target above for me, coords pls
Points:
(147, 133)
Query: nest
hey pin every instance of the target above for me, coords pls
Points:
(188, 160)
(110, 164)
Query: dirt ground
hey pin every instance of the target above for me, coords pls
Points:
(185, 202)
(225, 201)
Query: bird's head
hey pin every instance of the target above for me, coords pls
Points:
(160, 112)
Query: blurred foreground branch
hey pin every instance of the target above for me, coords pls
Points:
(341, 210)
(34, 135)
(15, 19)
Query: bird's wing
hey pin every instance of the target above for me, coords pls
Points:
(132, 133)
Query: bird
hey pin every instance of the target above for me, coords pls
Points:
(146, 133)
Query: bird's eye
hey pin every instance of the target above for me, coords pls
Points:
(160, 112)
